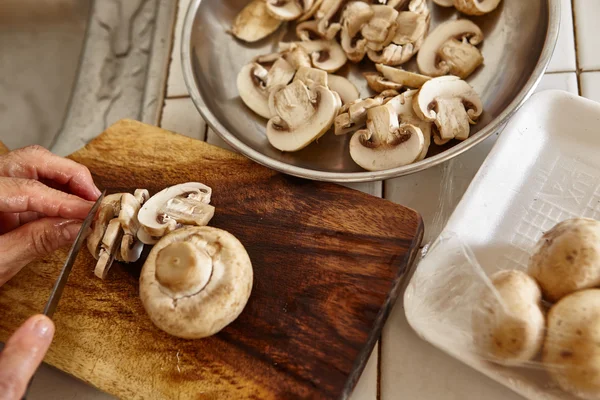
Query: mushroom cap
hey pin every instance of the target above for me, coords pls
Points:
(342, 86)
(196, 281)
(254, 83)
(571, 352)
(451, 103)
(185, 203)
(475, 7)
(327, 55)
(303, 115)
(304, 29)
(254, 22)
(355, 16)
(567, 258)
(405, 78)
(385, 143)
(285, 10)
(508, 322)
(427, 58)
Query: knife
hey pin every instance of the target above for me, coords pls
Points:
(67, 267)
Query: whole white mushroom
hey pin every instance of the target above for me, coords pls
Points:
(508, 322)
(572, 346)
(567, 258)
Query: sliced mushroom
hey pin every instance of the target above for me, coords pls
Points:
(381, 28)
(109, 248)
(196, 281)
(254, 22)
(306, 28)
(342, 86)
(450, 48)
(284, 10)
(403, 105)
(397, 4)
(254, 83)
(379, 83)
(353, 116)
(385, 143)
(311, 77)
(476, 7)
(355, 16)
(327, 55)
(405, 78)
(412, 26)
(327, 10)
(141, 195)
(169, 209)
(131, 248)
(109, 209)
(295, 56)
(146, 238)
(303, 115)
(444, 3)
(451, 103)
(310, 12)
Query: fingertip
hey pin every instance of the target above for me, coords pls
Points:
(42, 326)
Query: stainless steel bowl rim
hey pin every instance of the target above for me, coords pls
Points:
(494, 126)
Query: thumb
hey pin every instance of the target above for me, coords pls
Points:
(23, 353)
(34, 240)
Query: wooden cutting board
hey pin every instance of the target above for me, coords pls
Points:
(328, 263)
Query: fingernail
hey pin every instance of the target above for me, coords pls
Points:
(43, 327)
(97, 191)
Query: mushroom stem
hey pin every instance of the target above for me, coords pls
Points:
(183, 268)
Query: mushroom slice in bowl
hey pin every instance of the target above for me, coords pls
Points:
(353, 116)
(444, 3)
(306, 28)
(303, 115)
(405, 78)
(381, 28)
(284, 10)
(379, 83)
(327, 55)
(451, 103)
(254, 22)
(403, 105)
(196, 281)
(254, 83)
(342, 86)
(476, 7)
(385, 143)
(411, 28)
(355, 16)
(169, 209)
(450, 49)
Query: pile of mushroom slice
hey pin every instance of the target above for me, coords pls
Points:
(297, 91)
(197, 279)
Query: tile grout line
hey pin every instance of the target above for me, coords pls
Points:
(577, 66)
(166, 88)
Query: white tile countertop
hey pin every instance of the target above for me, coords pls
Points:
(402, 365)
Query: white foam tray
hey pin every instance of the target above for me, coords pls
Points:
(544, 168)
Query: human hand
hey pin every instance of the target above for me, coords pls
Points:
(22, 355)
(43, 199)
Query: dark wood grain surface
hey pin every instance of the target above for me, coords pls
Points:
(328, 262)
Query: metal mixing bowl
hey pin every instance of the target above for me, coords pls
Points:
(519, 40)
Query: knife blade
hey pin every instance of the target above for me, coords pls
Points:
(68, 266)
(66, 270)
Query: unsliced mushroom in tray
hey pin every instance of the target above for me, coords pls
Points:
(196, 279)
(297, 91)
